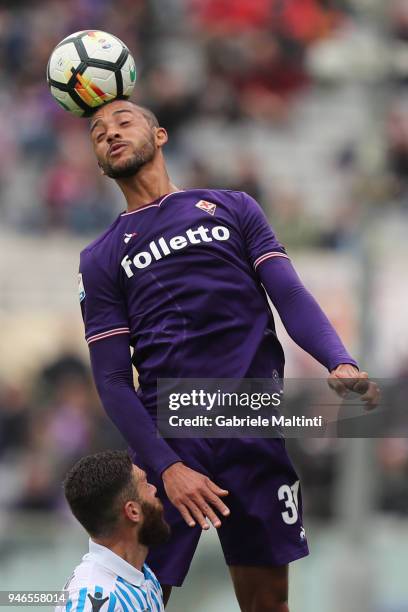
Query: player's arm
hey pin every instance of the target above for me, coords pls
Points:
(107, 333)
(309, 327)
(193, 494)
(301, 315)
(112, 371)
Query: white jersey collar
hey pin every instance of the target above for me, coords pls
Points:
(110, 560)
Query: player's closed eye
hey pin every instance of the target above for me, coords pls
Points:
(122, 123)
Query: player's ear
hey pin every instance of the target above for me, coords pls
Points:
(161, 136)
(133, 511)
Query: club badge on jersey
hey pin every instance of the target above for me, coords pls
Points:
(208, 207)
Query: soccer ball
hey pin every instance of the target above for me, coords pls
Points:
(88, 69)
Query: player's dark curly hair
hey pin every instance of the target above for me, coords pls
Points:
(96, 488)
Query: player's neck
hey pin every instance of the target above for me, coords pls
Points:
(127, 548)
(148, 185)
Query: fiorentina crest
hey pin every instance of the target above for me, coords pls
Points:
(208, 207)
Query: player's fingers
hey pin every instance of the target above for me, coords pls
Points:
(369, 390)
(361, 386)
(337, 385)
(217, 503)
(359, 383)
(186, 515)
(210, 514)
(342, 384)
(197, 514)
(216, 489)
(354, 381)
(372, 396)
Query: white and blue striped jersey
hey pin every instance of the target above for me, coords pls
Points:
(104, 582)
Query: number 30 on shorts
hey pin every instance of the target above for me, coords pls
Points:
(289, 494)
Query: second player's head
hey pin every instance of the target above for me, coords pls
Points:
(111, 498)
(125, 137)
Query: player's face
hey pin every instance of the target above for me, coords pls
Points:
(154, 530)
(146, 491)
(122, 139)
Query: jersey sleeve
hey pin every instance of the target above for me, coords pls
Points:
(260, 240)
(102, 304)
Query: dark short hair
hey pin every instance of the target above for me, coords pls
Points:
(148, 114)
(96, 488)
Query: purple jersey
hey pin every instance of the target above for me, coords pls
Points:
(183, 278)
(179, 275)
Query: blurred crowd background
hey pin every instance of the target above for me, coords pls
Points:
(301, 103)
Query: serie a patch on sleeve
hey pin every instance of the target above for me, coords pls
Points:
(81, 288)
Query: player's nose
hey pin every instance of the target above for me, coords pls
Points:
(112, 135)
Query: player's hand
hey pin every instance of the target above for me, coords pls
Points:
(194, 495)
(347, 377)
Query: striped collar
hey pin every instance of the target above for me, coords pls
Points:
(108, 559)
(156, 203)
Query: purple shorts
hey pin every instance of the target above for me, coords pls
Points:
(265, 524)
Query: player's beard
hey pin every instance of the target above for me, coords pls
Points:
(154, 530)
(132, 164)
